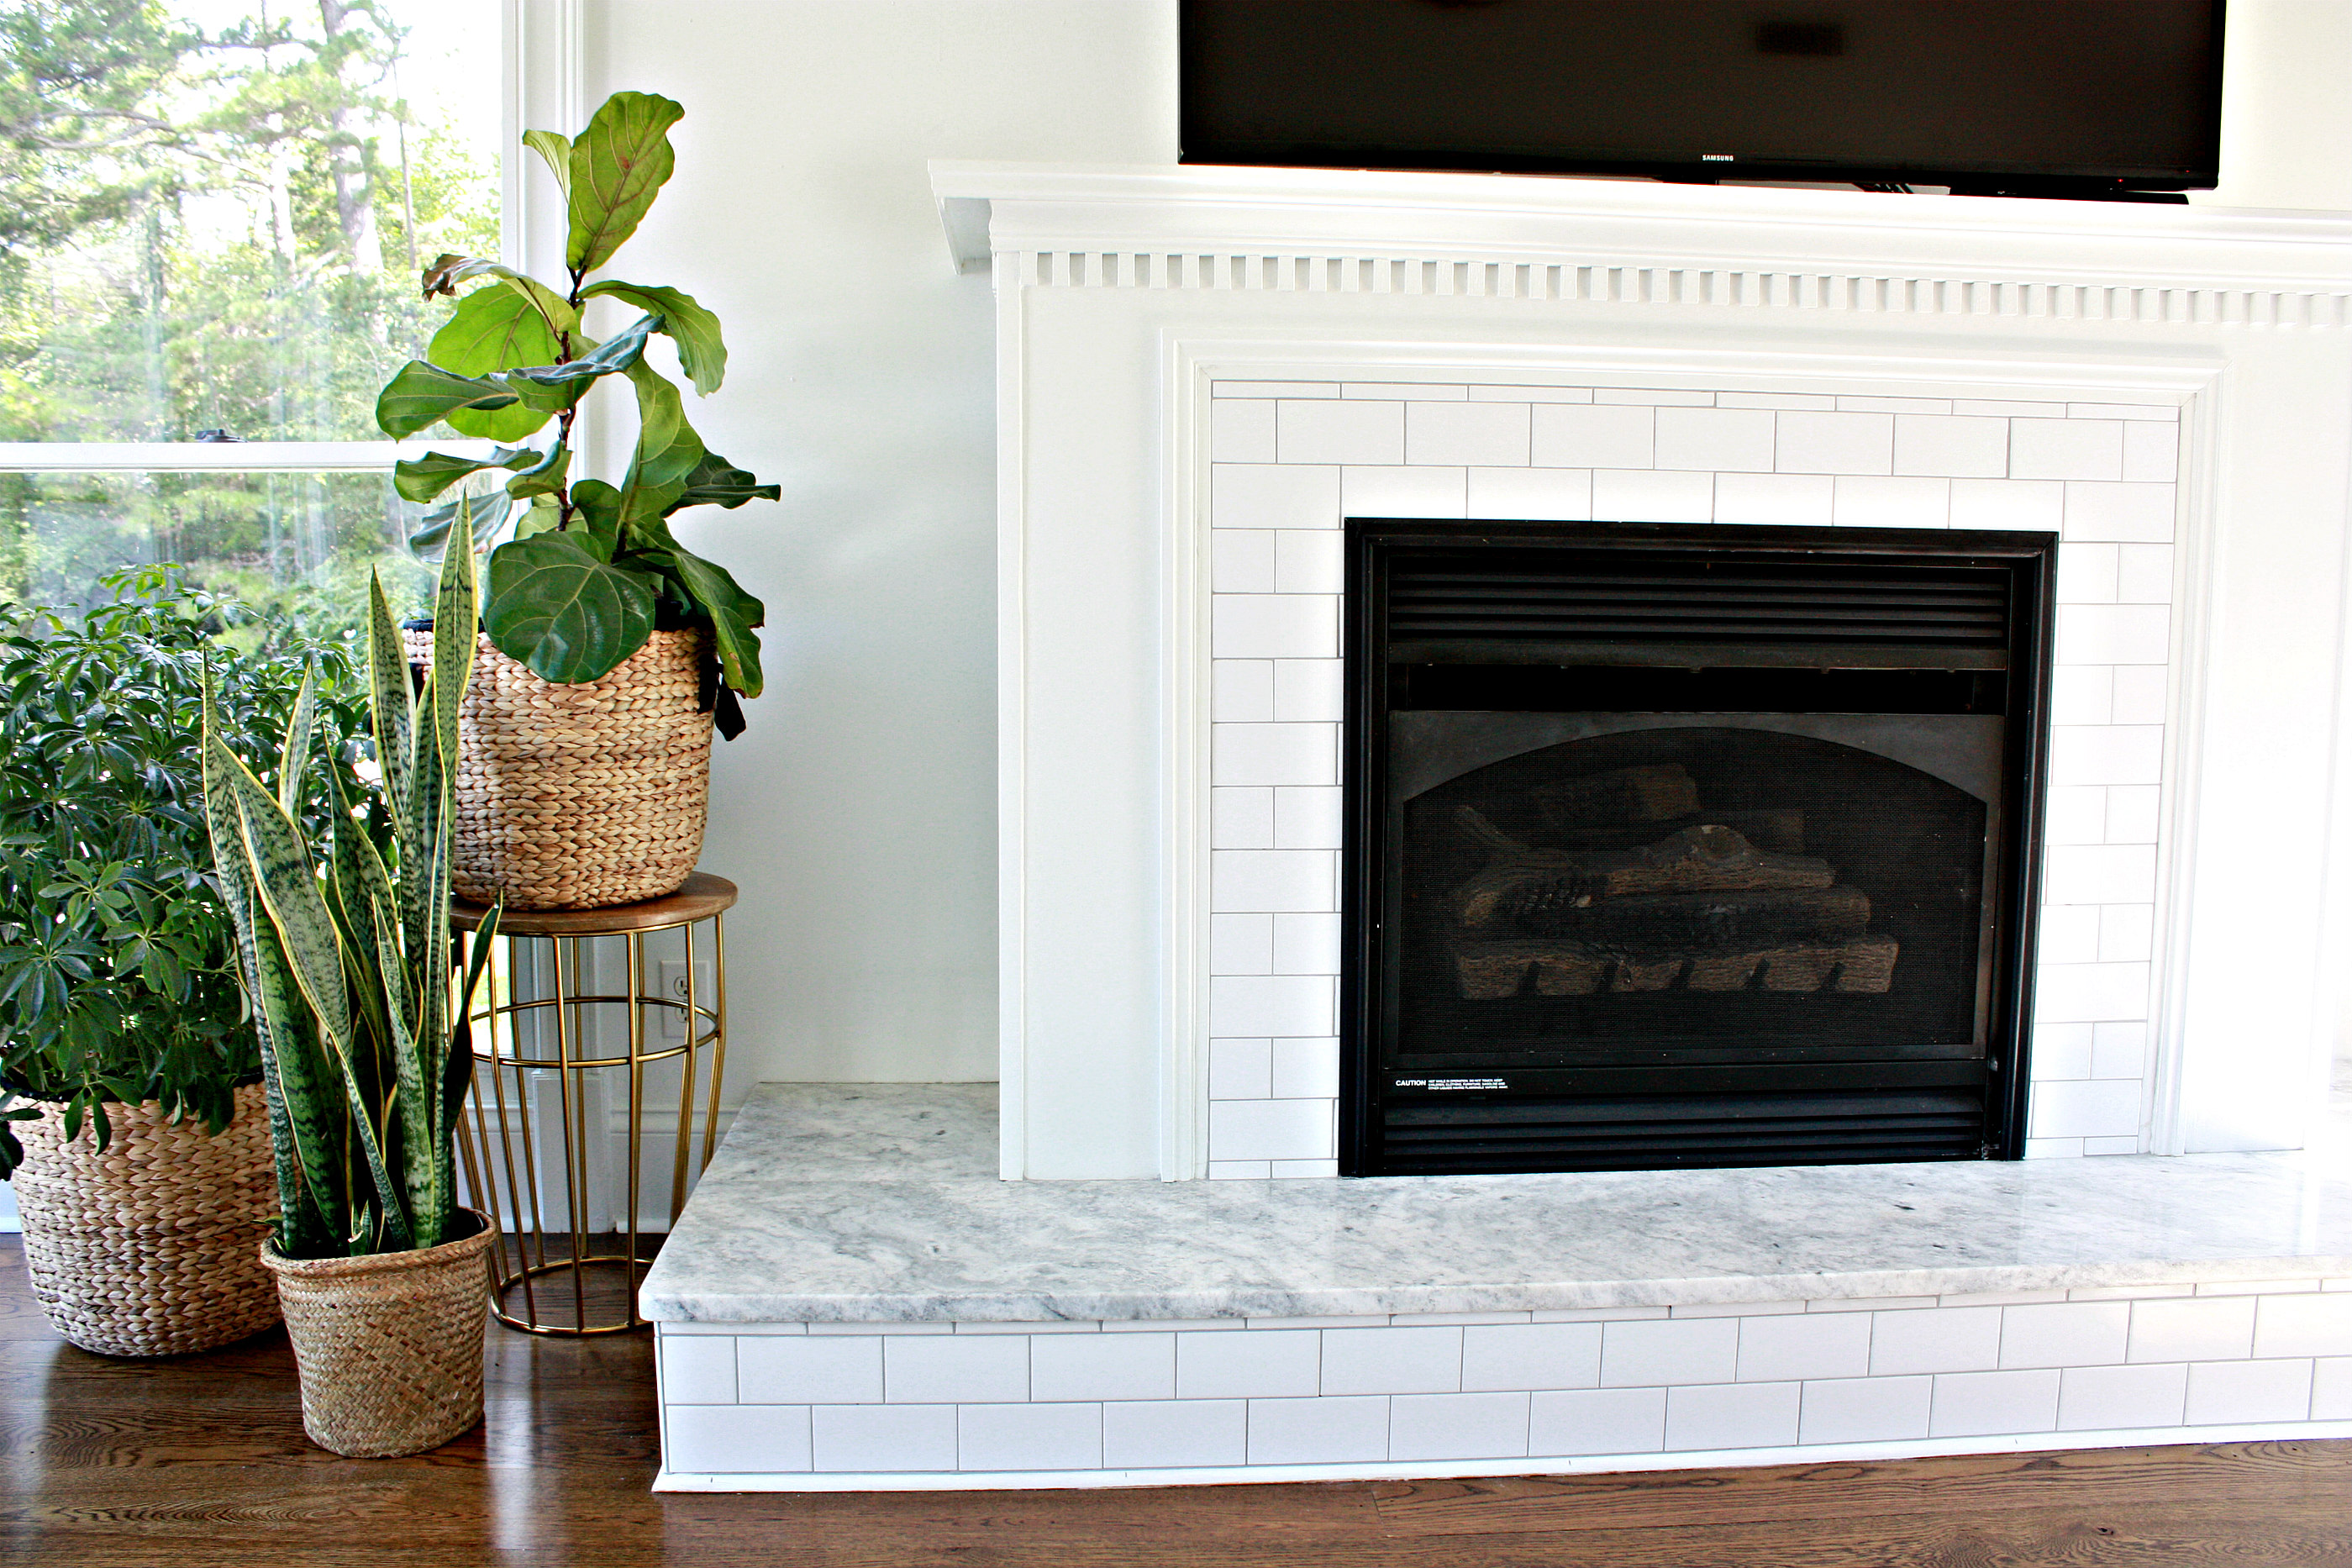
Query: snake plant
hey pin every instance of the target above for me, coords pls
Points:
(345, 954)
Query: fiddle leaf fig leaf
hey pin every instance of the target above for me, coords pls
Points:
(494, 329)
(561, 384)
(489, 514)
(544, 477)
(423, 393)
(735, 615)
(422, 479)
(555, 149)
(700, 350)
(449, 271)
(542, 516)
(715, 481)
(618, 166)
(668, 447)
(597, 516)
(561, 613)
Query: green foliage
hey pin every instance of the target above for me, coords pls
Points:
(116, 971)
(344, 946)
(589, 570)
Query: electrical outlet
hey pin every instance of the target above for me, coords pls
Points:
(672, 972)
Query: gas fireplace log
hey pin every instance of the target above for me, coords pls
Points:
(1537, 890)
(1781, 831)
(1686, 923)
(1490, 971)
(1653, 794)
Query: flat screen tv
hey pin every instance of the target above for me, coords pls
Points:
(2032, 97)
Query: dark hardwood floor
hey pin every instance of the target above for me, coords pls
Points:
(201, 1461)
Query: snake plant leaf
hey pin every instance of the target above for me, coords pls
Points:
(448, 271)
(391, 699)
(554, 149)
(715, 481)
(702, 351)
(489, 511)
(560, 612)
(422, 394)
(421, 478)
(543, 477)
(618, 165)
(294, 761)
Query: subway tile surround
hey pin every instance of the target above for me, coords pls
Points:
(1291, 461)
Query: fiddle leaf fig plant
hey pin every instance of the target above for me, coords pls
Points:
(581, 571)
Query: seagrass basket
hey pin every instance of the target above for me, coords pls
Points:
(580, 797)
(389, 1346)
(148, 1249)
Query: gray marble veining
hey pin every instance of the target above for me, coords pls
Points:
(879, 1204)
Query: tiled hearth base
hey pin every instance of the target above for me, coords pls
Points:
(852, 1301)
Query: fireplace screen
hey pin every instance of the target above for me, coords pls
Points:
(1712, 912)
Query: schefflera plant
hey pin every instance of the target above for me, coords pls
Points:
(345, 952)
(589, 570)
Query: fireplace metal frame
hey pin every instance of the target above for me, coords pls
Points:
(2029, 559)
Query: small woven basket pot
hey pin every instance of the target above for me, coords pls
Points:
(580, 797)
(389, 1346)
(147, 1249)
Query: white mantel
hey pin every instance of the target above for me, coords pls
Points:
(2102, 340)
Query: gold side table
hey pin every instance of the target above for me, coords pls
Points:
(553, 1030)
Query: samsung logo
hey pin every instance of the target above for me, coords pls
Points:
(1715, 158)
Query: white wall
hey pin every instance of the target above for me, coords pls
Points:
(857, 814)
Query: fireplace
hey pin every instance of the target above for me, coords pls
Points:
(1682, 845)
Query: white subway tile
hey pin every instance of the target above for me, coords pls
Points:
(1680, 1350)
(1391, 1361)
(1600, 1315)
(1981, 1403)
(1274, 754)
(904, 1327)
(698, 1370)
(2083, 694)
(1308, 690)
(1240, 1170)
(1241, 945)
(1598, 436)
(2107, 754)
(2009, 408)
(2141, 694)
(2122, 411)
(2037, 505)
(2001, 1297)
(1166, 1434)
(1404, 492)
(2053, 1148)
(2304, 1325)
(1789, 499)
(884, 1437)
(2076, 814)
(1559, 495)
(2331, 1389)
(2196, 1328)
(2143, 573)
(2115, 634)
(1251, 1007)
(1029, 1437)
(1804, 1345)
(2065, 450)
(1597, 1421)
(1240, 1069)
(1273, 389)
(1319, 1321)
(1308, 819)
(2130, 1292)
(1852, 404)
(2126, 933)
(1865, 1410)
(2119, 1050)
(1941, 1339)
(2102, 1147)
(2069, 933)
(1306, 945)
(1715, 439)
(2060, 1051)
(1530, 1356)
(1810, 400)
(1867, 502)
(2064, 1334)
(1868, 1303)
(735, 1439)
(1242, 690)
(1273, 1130)
(2099, 874)
(1306, 561)
(2091, 993)
(1273, 881)
(1241, 818)
(2116, 1398)
(1458, 1427)
(1304, 1170)
(927, 1370)
(1269, 494)
(805, 1369)
(1275, 625)
(666, 1331)
(2151, 451)
(2094, 1110)
(1733, 1308)
(2243, 1287)
(1530, 394)
(1046, 1328)
(1255, 1364)
(1241, 431)
(1655, 396)
(1732, 1415)
(1493, 435)
(1836, 443)
(2225, 1392)
(1952, 446)
(1318, 1431)
(1640, 495)
(1462, 1320)
(1395, 390)
(1334, 431)
(2086, 573)
(1306, 1070)
(1242, 559)
(2131, 513)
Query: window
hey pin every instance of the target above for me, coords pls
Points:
(212, 217)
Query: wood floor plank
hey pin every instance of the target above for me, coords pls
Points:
(200, 1462)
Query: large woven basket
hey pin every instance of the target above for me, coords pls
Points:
(580, 797)
(147, 1249)
(389, 1346)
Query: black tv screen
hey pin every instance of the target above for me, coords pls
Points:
(1976, 94)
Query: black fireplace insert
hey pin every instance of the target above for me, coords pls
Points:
(1693, 845)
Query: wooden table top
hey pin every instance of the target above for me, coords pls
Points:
(702, 897)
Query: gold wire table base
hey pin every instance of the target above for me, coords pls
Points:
(538, 1058)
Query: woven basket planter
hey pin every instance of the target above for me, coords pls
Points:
(147, 1249)
(389, 1346)
(580, 797)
